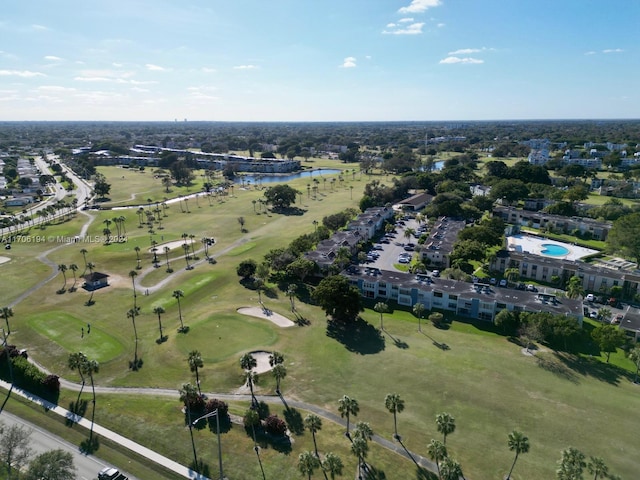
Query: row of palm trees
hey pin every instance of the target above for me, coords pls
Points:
(62, 268)
(79, 361)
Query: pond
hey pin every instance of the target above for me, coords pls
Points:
(286, 177)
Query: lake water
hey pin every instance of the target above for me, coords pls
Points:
(252, 179)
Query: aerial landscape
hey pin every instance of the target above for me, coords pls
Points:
(371, 240)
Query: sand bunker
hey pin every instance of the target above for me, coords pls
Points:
(262, 358)
(267, 314)
(4, 260)
(171, 245)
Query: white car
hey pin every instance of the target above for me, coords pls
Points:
(589, 297)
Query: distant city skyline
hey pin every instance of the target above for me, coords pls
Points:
(308, 60)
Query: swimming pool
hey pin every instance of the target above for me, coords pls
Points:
(553, 250)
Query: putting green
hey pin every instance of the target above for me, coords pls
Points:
(224, 335)
(66, 331)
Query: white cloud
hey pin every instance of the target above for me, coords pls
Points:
(420, 6)
(591, 52)
(117, 65)
(52, 58)
(245, 67)
(406, 20)
(613, 50)
(20, 73)
(368, 57)
(391, 25)
(140, 90)
(35, 26)
(93, 79)
(349, 62)
(55, 89)
(469, 60)
(155, 68)
(441, 25)
(465, 51)
(413, 29)
(208, 70)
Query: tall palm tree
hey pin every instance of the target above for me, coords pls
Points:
(598, 468)
(313, 423)
(63, 268)
(248, 362)
(90, 367)
(381, 308)
(275, 358)
(279, 372)
(195, 362)
(395, 405)
(188, 394)
(571, 464)
(74, 268)
(446, 425)
(84, 252)
(348, 406)
(185, 246)
(133, 274)
(450, 469)
(159, 311)
(437, 452)
(76, 361)
(137, 250)
(307, 463)
(7, 313)
(574, 287)
(132, 313)
(360, 448)
(332, 464)
(363, 430)
(418, 311)
(178, 294)
(519, 443)
(166, 254)
(291, 293)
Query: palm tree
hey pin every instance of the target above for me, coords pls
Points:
(178, 294)
(195, 362)
(291, 292)
(63, 268)
(76, 361)
(450, 469)
(408, 233)
(137, 250)
(395, 405)
(571, 465)
(598, 468)
(332, 464)
(90, 367)
(313, 423)
(381, 308)
(360, 448)
(446, 425)
(132, 314)
(248, 362)
(73, 267)
(348, 406)
(7, 313)
(363, 430)
(634, 355)
(133, 274)
(159, 311)
(185, 246)
(519, 443)
(574, 287)
(188, 393)
(279, 372)
(166, 254)
(418, 311)
(512, 274)
(307, 463)
(84, 256)
(275, 358)
(437, 452)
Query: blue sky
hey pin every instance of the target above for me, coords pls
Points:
(319, 60)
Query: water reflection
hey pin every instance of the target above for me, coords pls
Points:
(258, 178)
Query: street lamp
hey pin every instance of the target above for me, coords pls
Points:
(215, 412)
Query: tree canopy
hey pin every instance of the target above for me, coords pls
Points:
(281, 196)
(340, 300)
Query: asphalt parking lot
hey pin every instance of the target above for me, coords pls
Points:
(390, 252)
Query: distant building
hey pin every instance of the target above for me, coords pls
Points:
(416, 202)
(95, 280)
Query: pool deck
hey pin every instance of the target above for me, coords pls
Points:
(532, 244)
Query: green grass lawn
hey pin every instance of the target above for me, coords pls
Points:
(482, 379)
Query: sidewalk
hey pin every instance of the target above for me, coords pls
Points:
(99, 430)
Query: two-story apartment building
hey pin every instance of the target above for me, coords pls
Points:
(437, 249)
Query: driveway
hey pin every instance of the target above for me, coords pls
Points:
(390, 251)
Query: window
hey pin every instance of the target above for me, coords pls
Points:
(453, 297)
(437, 294)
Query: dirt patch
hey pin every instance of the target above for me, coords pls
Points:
(171, 245)
(267, 314)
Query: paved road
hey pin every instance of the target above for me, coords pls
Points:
(87, 466)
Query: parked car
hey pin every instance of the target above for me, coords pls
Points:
(492, 281)
(502, 283)
(108, 473)
(435, 273)
(590, 297)
(617, 319)
(532, 288)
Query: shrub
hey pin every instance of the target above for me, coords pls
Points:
(51, 383)
(275, 425)
(213, 404)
